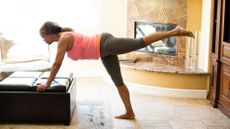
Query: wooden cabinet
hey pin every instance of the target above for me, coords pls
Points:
(215, 55)
(217, 20)
(221, 57)
(224, 103)
(215, 82)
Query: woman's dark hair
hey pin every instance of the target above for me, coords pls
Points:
(52, 28)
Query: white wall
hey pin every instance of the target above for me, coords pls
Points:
(113, 17)
(205, 37)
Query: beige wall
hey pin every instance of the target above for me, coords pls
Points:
(199, 19)
(194, 14)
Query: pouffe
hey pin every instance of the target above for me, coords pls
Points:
(19, 101)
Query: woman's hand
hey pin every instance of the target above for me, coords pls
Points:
(41, 87)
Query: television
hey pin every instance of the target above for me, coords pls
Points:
(165, 46)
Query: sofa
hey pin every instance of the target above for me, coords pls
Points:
(15, 55)
(21, 103)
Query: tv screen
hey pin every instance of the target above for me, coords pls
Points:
(166, 46)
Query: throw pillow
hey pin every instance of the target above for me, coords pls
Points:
(5, 45)
(1, 62)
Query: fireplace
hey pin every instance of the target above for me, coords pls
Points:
(163, 12)
(165, 47)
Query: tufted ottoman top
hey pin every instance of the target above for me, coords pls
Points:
(27, 81)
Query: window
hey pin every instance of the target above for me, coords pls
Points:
(22, 19)
(26, 16)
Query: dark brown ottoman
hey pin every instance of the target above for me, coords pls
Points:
(19, 101)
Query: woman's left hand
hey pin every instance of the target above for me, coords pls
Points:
(41, 87)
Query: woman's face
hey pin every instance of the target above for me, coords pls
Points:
(47, 38)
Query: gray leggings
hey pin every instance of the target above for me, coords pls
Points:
(110, 47)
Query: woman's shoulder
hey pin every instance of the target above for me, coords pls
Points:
(67, 40)
(67, 35)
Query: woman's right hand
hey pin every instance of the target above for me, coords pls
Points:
(41, 87)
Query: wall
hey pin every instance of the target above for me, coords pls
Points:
(201, 22)
(204, 48)
(194, 15)
(158, 11)
(113, 20)
(166, 80)
(199, 19)
(113, 17)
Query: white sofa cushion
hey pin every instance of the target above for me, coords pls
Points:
(21, 53)
(40, 65)
(23, 56)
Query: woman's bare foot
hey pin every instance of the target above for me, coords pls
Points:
(180, 31)
(125, 116)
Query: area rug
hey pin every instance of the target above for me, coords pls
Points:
(93, 114)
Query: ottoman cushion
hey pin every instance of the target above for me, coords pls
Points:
(28, 81)
(17, 84)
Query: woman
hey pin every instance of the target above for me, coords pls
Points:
(105, 46)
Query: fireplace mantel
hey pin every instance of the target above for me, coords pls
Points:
(161, 68)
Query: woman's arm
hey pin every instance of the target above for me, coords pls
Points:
(61, 49)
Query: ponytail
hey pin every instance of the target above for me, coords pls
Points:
(52, 28)
(66, 29)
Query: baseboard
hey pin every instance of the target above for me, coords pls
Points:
(181, 93)
(154, 90)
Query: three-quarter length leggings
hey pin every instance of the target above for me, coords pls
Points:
(110, 47)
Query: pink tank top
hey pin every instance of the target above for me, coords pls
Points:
(84, 47)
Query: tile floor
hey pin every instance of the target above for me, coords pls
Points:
(155, 112)
(152, 112)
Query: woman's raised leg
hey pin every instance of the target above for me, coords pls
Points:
(178, 31)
